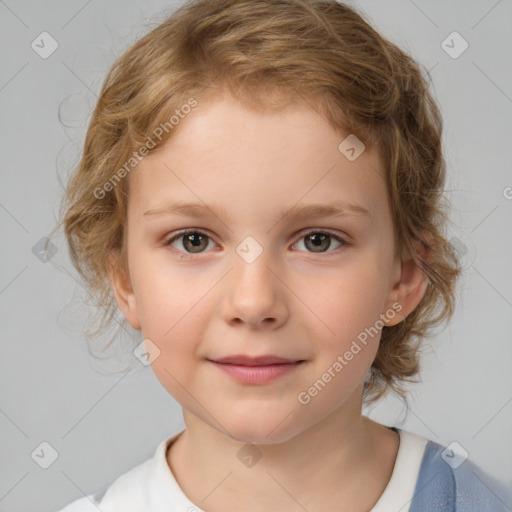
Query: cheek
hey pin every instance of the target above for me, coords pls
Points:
(350, 305)
(169, 297)
(171, 308)
(174, 322)
(342, 357)
(349, 302)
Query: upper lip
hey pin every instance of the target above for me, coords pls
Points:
(254, 361)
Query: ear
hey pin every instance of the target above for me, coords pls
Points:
(123, 291)
(409, 286)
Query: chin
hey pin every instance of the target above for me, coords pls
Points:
(256, 429)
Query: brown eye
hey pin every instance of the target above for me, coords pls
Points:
(319, 241)
(193, 242)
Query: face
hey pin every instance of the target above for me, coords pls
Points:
(249, 279)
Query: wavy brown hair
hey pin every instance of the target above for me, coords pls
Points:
(269, 53)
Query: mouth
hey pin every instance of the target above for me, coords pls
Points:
(256, 370)
(244, 360)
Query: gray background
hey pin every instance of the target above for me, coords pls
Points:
(101, 424)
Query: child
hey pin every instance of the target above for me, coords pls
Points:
(261, 195)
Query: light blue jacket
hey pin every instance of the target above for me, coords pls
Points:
(440, 488)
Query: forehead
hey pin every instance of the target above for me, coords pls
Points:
(228, 154)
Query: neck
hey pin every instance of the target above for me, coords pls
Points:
(336, 459)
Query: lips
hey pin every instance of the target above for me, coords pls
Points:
(256, 370)
(243, 360)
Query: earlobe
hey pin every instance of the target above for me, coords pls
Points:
(411, 285)
(123, 291)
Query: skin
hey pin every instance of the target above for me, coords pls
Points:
(292, 301)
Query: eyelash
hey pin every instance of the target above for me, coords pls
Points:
(184, 232)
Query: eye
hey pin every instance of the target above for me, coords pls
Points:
(195, 241)
(320, 241)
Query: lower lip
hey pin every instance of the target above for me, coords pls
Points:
(257, 374)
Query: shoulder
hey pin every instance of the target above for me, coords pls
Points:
(449, 481)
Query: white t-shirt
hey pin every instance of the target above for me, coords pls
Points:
(151, 486)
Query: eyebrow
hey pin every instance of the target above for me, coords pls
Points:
(201, 210)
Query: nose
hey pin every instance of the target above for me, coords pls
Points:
(256, 295)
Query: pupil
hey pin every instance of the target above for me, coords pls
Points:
(197, 242)
(317, 240)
